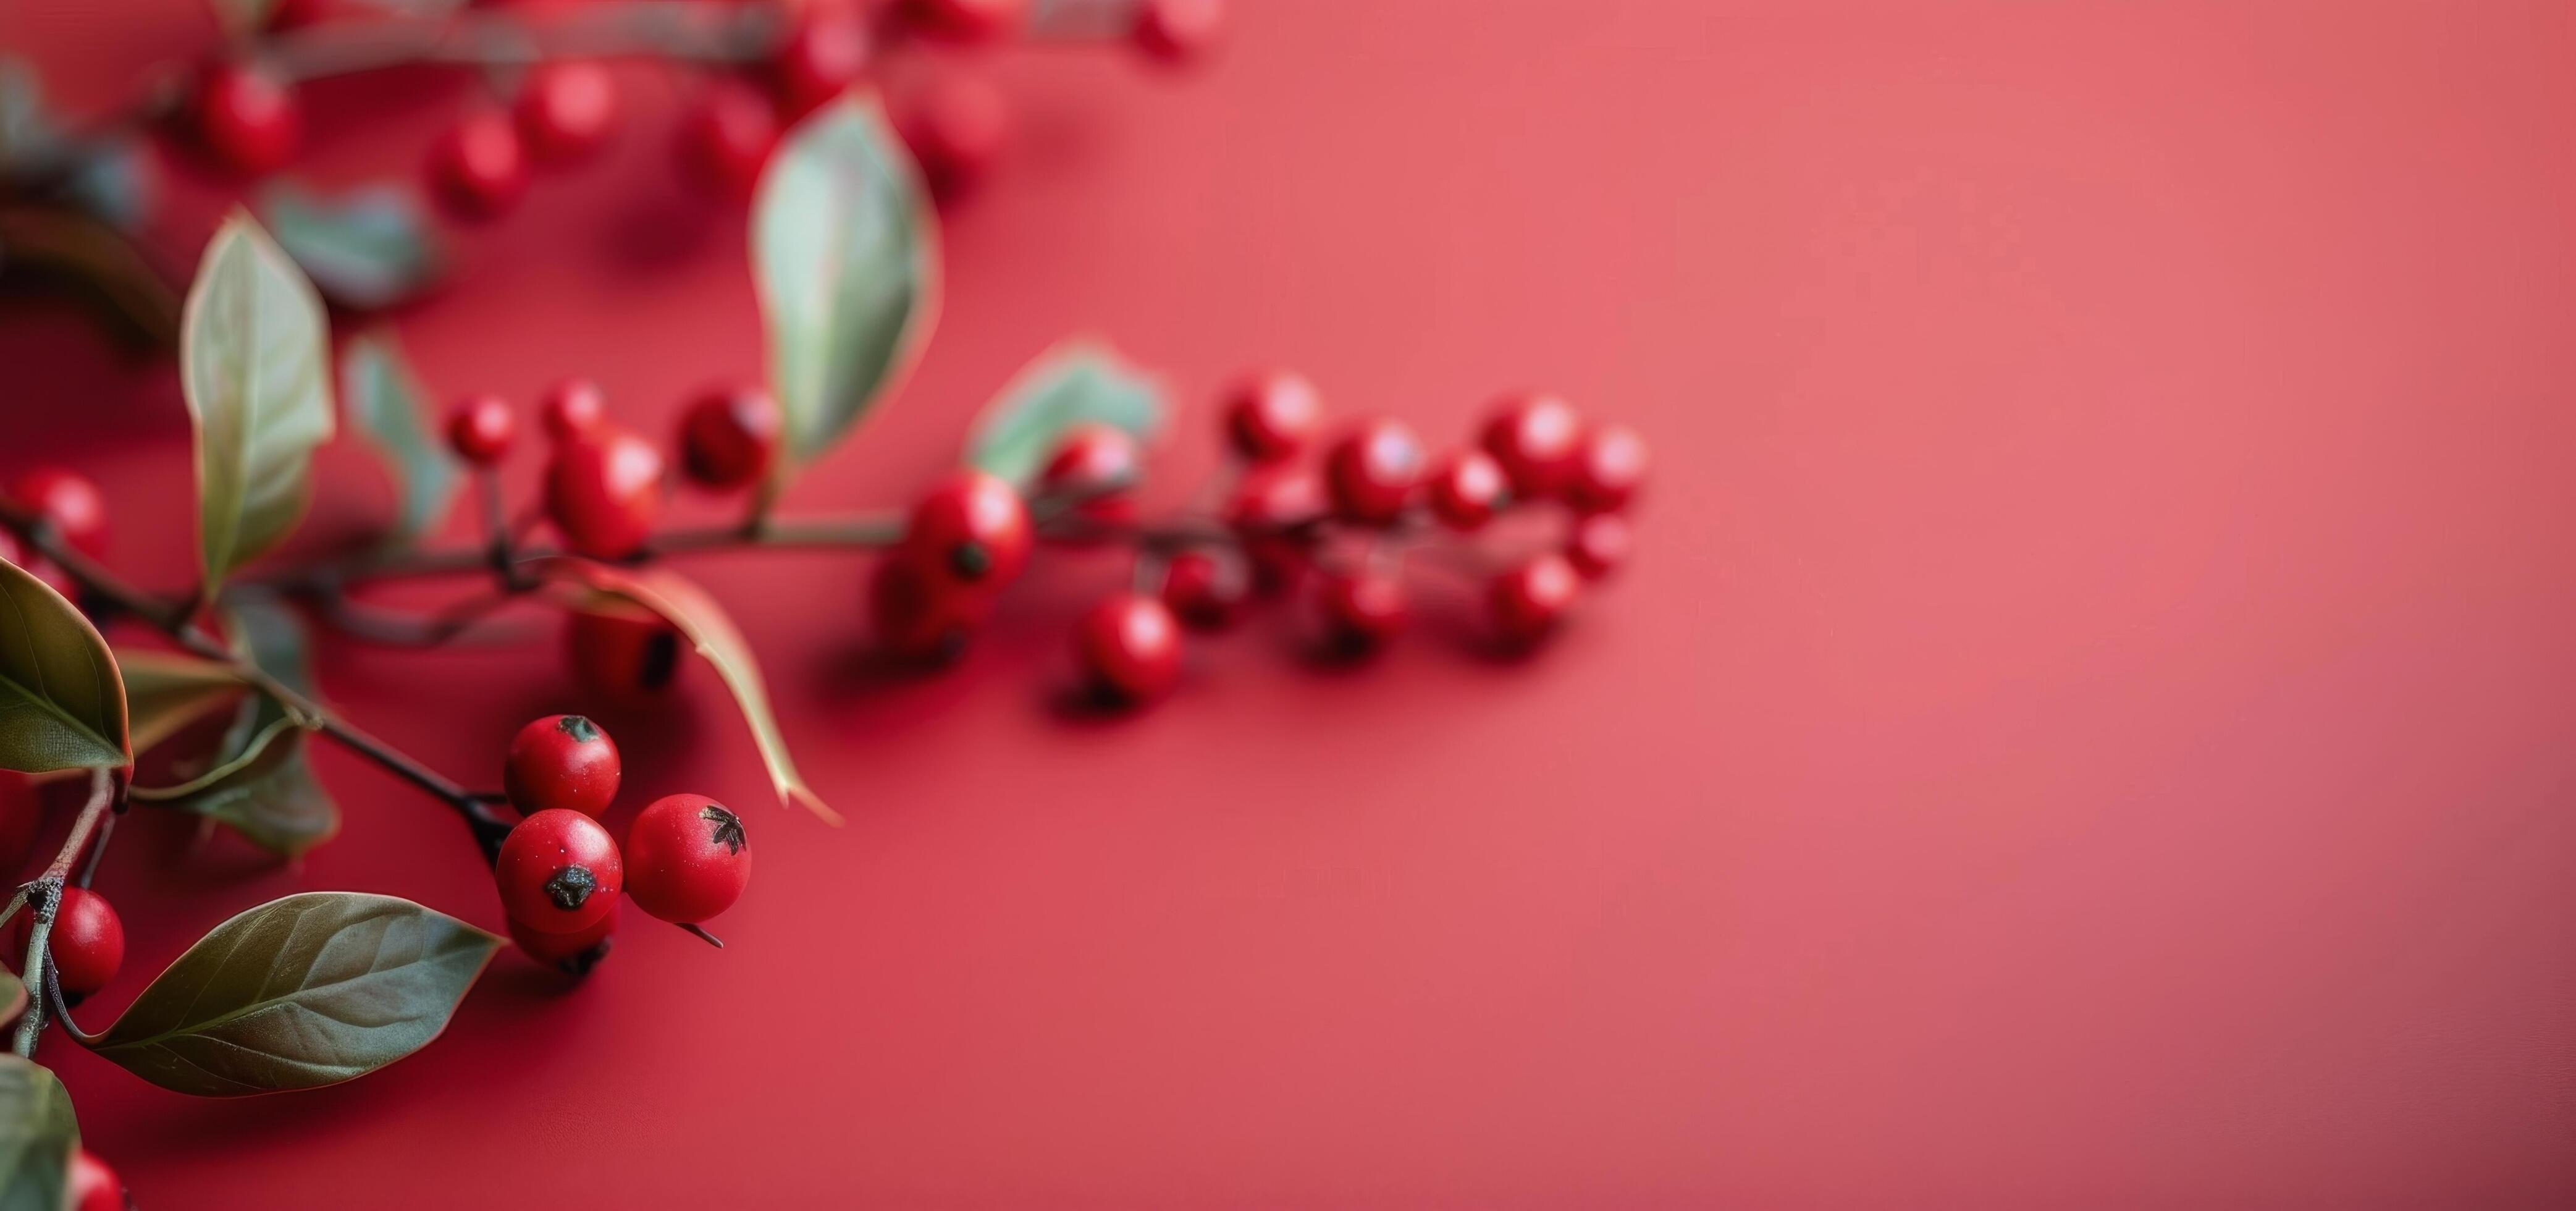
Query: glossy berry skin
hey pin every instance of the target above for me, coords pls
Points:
(1178, 32)
(1466, 490)
(966, 20)
(69, 502)
(559, 872)
(1274, 416)
(1100, 466)
(1535, 438)
(478, 168)
(245, 119)
(561, 761)
(1359, 611)
(956, 129)
(480, 429)
(603, 491)
(572, 408)
(727, 137)
(1373, 472)
(920, 620)
(91, 1185)
(573, 953)
(565, 111)
(1129, 648)
(1274, 510)
(970, 530)
(687, 858)
(1608, 469)
(1526, 602)
(1205, 592)
(1598, 544)
(729, 436)
(88, 940)
(622, 653)
(825, 51)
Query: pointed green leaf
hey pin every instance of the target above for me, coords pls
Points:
(368, 249)
(254, 368)
(386, 400)
(845, 253)
(1075, 383)
(62, 705)
(37, 1136)
(298, 993)
(166, 691)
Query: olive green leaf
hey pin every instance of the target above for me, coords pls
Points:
(62, 705)
(366, 250)
(254, 367)
(37, 1135)
(1074, 383)
(385, 399)
(844, 251)
(298, 993)
(675, 600)
(260, 783)
(166, 691)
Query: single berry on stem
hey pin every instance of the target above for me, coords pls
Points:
(69, 502)
(1534, 437)
(1598, 544)
(1178, 31)
(825, 52)
(91, 1185)
(1129, 647)
(1373, 472)
(573, 953)
(561, 761)
(955, 129)
(1205, 592)
(478, 169)
(480, 429)
(621, 652)
(246, 119)
(603, 491)
(559, 872)
(1526, 602)
(1467, 488)
(1100, 466)
(1273, 416)
(971, 529)
(727, 137)
(966, 20)
(572, 408)
(87, 942)
(1608, 469)
(918, 619)
(566, 110)
(729, 436)
(1359, 611)
(686, 858)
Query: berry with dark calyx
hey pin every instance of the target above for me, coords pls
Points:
(1129, 647)
(729, 436)
(561, 761)
(1205, 592)
(572, 408)
(956, 128)
(825, 51)
(245, 119)
(1358, 611)
(1098, 465)
(566, 110)
(1269, 417)
(966, 20)
(687, 858)
(480, 428)
(1608, 469)
(969, 530)
(621, 652)
(1535, 438)
(88, 940)
(91, 1185)
(727, 137)
(38, 566)
(1598, 544)
(603, 491)
(1373, 472)
(1178, 32)
(1526, 602)
(559, 872)
(1466, 490)
(918, 620)
(1274, 512)
(573, 953)
(67, 501)
(478, 168)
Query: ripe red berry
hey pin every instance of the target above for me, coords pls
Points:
(1608, 469)
(1272, 416)
(1466, 489)
(1098, 465)
(67, 501)
(971, 529)
(603, 491)
(727, 137)
(479, 429)
(1526, 602)
(1534, 437)
(88, 941)
(1129, 647)
(955, 129)
(478, 168)
(920, 621)
(966, 20)
(1358, 611)
(1205, 592)
(559, 872)
(1373, 472)
(38, 566)
(92, 1186)
(622, 653)
(561, 761)
(573, 953)
(566, 110)
(245, 119)
(825, 51)
(688, 858)
(1178, 31)
(1274, 510)
(729, 436)
(1598, 544)
(572, 408)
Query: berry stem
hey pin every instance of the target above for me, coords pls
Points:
(658, 29)
(44, 897)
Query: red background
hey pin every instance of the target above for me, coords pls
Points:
(2088, 724)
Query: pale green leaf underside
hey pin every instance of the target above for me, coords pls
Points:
(270, 795)
(166, 691)
(37, 1135)
(368, 249)
(386, 400)
(62, 704)
(1075, 383)
(253, 366)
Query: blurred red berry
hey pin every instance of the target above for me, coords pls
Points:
(1608, 469)
(686, 858)
(1178, 31)
(825, 52)
(1373, 472)
(1098, 465)
(1526, 602)
(1598, 544)
(92, 1185)
(1272, 416)
(478, 169)
(480, 428)
(1466, 489)
(69, 502)
(729, 436)
(918, 619)
(39, 567)
(970, 530)
(1205, 592)
(1535, 438)
(622, 653)
(566, 110)
(1358, 611)
(727, 137)
(1129, 648)
(1274, 512)
(572, 408)
(245, 118)
(603, 491)
(956, 128)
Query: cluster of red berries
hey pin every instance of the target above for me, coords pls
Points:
(604, 481)
(560, 873)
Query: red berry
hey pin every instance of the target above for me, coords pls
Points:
(970, 530)
(1098, 465)
(622, 653)
(573, 953)
(561, 761)
(1598, 544)
(559, 872)
(1272, 416)
(566, 110)
(67, 501)
(729, 436)
(1130, 648)
(478, 169)
(1178, 31)
(479, 429)
(88, 941)
(967, 20)
(1359, 610)
(1607, 470)
(1526, 602)
(727, 138)
(1373, 472)
(1534, 437)
(956, 129)
(572, 408)
(603, 491)
(1274, 510)
(825, 51)
(92, 1185)
(20, 812)
(38, 566)
(245, 119)
(920, 621)
(1207, 593)
(1466, 489)
(689, 857)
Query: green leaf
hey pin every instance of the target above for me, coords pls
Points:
(299, 993)
(845, 255)
(27, 130)
(674, 599)
(166, 691)
(385, 398)
(253, 365)
(367, 250)
(1075, 383)
(261, 784)
(62, 704)
(37, 1136)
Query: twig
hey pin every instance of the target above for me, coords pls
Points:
(45, 898)
(663, 29)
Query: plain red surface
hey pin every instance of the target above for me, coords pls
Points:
(2088, 724)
